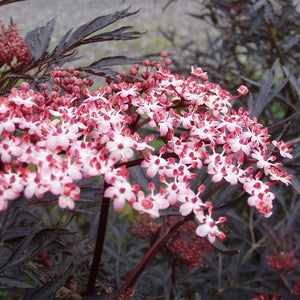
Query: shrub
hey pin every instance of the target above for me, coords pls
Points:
(179, 149)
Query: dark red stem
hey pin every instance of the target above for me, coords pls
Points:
(157, 246)
(103, 216)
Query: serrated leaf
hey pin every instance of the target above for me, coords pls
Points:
(14, 283)
(61, 44)
(290, 104)
(38, 40)
(31, 245)
(169, 212)
(292, 79)
(270, 12)
(296, 183)
(138, 175)
(218, 245)
(262, 98)
(15, 232)
(250, 102)
(258, 5)
(257, 21)
(293, 215)
(50, 287)
(22, 246)
(20, 76)
(105, 72)
(118, 34)
(114, 61)
(278, 87)
(290, 43)
(98, 23)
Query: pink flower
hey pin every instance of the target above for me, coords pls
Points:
(173, 189)
(209, 228)
(198, 73)
(190, 203)
(120, 191)
(154, 164)
(70, 194)
(7, 125)
(283, 148)
(130, 90)
(26, 98)
(10, 187)
(120, 147)
(10, 147)
(163, 121)
(150, 204)
(239, 143)
(261, 197)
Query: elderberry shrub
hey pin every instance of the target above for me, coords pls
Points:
(178, 149)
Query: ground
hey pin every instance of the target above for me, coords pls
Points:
(73, 13)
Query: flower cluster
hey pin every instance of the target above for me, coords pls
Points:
(14, 51)
(283, 261)
(169, 125)
(296, 288)
(185, 245)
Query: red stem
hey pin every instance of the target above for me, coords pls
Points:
(103, 216)
(158, 245)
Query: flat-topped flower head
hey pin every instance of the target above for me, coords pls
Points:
(169, 125)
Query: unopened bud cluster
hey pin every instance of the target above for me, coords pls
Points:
(14, 51)
(185, 245)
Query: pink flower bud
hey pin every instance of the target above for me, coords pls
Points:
(242, 90)
(164, 54)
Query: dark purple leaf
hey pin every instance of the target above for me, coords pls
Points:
(50, 287)
(14, 283)
(105, 72)
(60, 47)
(98, 23)
(5, 2)
(255, 24)
(263, 97)
(18, 255)
(15, 232)
(21, 76)
(296, 183)
(114, 61)
(218, 245)
(38, 40)
(100, 67)
(118, 34)
(269, 10)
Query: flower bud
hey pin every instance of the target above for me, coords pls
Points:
(242, 90)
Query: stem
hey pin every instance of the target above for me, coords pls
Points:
(277, 287)
(158, 245)
(103, 216)
(173, 277)
(220, 271)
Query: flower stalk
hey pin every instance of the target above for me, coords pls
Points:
(102, 225)
(157, 246)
